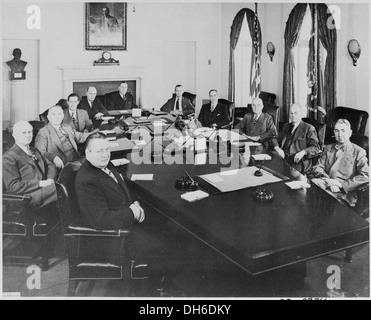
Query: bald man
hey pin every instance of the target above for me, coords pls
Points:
(26, 171)
(297, 142)
(92, 105)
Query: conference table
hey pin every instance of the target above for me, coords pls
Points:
(258, 236)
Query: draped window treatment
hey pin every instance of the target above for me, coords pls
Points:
(325, 90)
(234, 36)
(291, 37)
(315, 97)
(328, 39)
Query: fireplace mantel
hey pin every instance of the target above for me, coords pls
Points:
(103, 73)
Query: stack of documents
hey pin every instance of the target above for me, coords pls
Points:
(194, 196)
(295, 185)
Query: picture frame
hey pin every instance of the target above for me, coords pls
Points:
(105, 26)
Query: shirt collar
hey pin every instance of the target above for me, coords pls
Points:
(343, 147)
(24, 148)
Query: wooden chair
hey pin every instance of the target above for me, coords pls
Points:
(357, 118)
(36, 126)
(92, 254)
(268, 97)
(36, 229)
(230, 105)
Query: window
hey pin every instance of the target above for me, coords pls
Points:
(242, 55)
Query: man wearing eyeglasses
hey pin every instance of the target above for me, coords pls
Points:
(343, 165)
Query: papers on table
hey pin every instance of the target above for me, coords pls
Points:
(136, 112)
(295, 185)
(107, 118)
(194, 196)
(232, 180)
(120, 162)
(261, 157)
(142, 177)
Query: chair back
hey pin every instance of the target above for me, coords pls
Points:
(268, 97)
(357, 118)
(108, 98)
(320, 129)
(44, 116)
(36, 126)
(361, 141)
(70, 206)
(230, 105)
(191, 97)
(270, 109)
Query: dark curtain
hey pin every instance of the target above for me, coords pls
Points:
(234, 36)
(292, 32)
(314, 71)
(328, 38)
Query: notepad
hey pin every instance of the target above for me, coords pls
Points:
(136, 112)
(260, 157)
(143, 177)
(194, 195)
(295, 185)
(107, 118)
(120, 162)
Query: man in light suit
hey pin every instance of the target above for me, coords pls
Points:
(343, 166)
(178, 104)
(258, 126)
(92, 105)
(26, 171)
(77, 119)
(106, 203)
(58, 141)
(213, 114)
(122, 99)
(297, 142)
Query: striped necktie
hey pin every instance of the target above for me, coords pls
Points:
(256, 117)
(109, 172)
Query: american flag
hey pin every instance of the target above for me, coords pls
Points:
(255, 85)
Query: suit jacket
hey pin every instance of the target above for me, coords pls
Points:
(49, 144)
(187, 106)
(96, 107)
(21, 176)
(220, 115)
(264, 127)
(82, 120)
(305, 138)
(103, 202)
(118, 103)
(350, 168)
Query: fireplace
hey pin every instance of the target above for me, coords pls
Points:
(105, 79)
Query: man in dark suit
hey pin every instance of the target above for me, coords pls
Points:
(77, 119)
(122, 99)
(297, 142)
(106, 203)
(178, 104)
(258, 126)
(58, 141)
(92, 105)
(213, 114)
(26, 171)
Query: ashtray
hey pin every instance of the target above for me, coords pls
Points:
(263, 194)
(186, 184)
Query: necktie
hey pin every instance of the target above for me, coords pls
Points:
(62, 131)
(177, 105)
(256, 118)
(109, 172)
(73, 117)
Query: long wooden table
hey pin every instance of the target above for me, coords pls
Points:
(259, 237)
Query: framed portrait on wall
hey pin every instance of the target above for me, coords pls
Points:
(105, 26)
